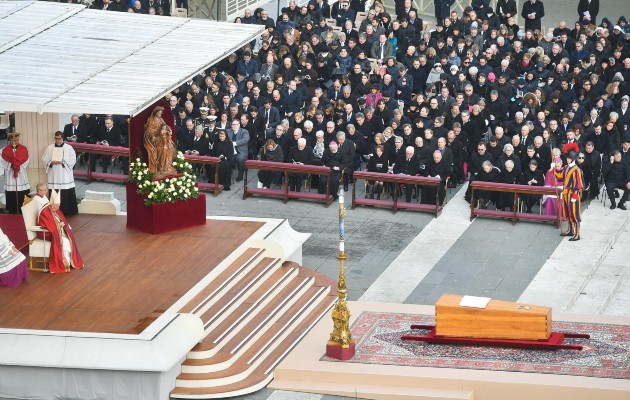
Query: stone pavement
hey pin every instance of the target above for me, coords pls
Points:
(490, 259)
(592, 278)
(412, 265)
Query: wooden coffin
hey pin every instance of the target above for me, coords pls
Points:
(499, 320)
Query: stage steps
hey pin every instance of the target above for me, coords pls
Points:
(254, 312)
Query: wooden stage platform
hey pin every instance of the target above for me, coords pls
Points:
(130, 278)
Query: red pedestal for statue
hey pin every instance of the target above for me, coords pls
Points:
(333, 350)
(163, 217)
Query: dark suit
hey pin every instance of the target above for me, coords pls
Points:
(544, 155)
(457, 150)
(352, 33)
(406, 166)
(80, 132)
(184, 137)
(332, 161)
(163, 4)
(617, 175)
(347, 150)
(256, 129)
(442, 9)
(592, 7)
(113, 138)
(201, 144)
(299, 156)
(528, 141)
(434, 169)
(334, 94)
(528, 8)
(447, 156)
(270, 118)
(416, 24)
(323, 8)
(293, 101)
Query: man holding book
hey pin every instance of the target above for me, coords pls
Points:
(59, 159)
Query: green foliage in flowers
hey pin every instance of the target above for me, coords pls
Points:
(168, 189)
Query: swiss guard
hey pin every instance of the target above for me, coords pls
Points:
(570, 176)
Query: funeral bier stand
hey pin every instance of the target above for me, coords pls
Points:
(480, 321)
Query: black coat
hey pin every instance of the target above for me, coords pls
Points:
(347, 151)
(483, 176)
(378, 164)
(544, 155)
(457, 148)
(505, 7)
(202, 145)
(529, 8)
(81, 132)
(113, 137)
(592, 7)
(616, 173)
(301, 156)
(184, 137)
(424, 155)
(514, 158)
(476, 162)
(223, 148)
(442, 169)
(331, 160)
(447, 156)
(406, 167)
(536, 175)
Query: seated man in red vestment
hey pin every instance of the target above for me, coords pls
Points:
(63, 250)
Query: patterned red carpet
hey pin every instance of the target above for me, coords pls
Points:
(605, 355)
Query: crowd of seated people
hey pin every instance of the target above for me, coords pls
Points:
(361, 87)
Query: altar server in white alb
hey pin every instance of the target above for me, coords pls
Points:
(59, 159)
(14, 164)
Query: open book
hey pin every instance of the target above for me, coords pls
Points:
(57, 154)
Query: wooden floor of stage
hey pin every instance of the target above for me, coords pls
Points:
(130, 278)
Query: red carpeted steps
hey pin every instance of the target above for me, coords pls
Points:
(254, 312)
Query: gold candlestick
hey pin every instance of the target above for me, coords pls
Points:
(340, 344)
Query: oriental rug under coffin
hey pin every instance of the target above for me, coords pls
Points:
(605, 355)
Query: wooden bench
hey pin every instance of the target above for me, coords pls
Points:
(99, 149)
(286, 169)
(118, 151)
(213, 187)
(393, 203)
(517, 191)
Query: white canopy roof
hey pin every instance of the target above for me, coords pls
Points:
(64, 58)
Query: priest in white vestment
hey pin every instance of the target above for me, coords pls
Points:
(59, 159)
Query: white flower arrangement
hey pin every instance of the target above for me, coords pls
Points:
(167, 190)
